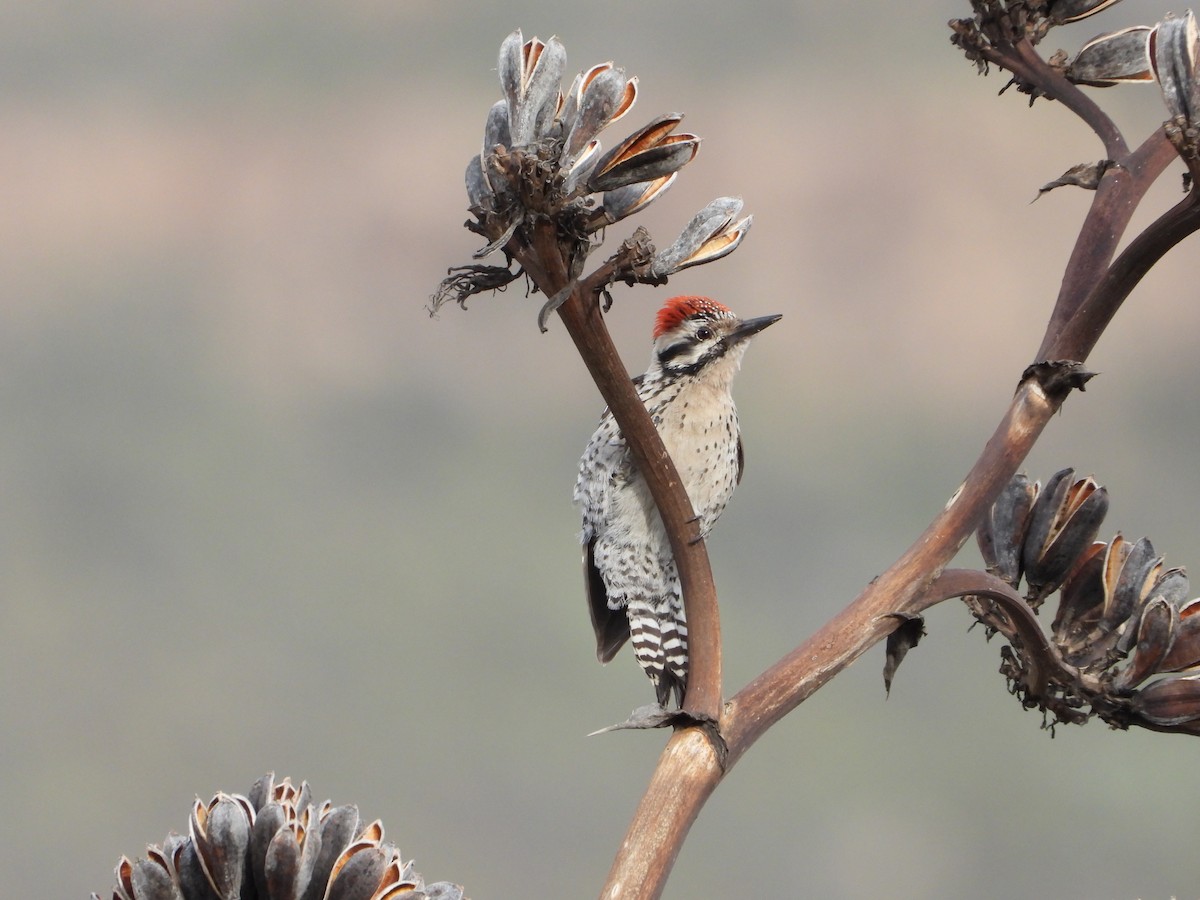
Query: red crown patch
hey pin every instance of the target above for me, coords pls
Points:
(677, 309)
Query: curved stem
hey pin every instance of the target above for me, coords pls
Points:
(685, 778)
(1119, 193)
(1041, 655)
(1083, 329)
(1052, 83)
(582, 318)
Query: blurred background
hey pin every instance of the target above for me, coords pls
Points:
(261, 512)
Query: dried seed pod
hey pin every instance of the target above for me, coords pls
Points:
(1113, 58)
(1130, 572)
(220, 832)
(193, 880)
(479, 191)
(581, 168)
(649, 153)
(1081, 601)
(1062, 524)
(496, 131)
(1174, 49)
(337, 826)
(1171, 701)
(1155, 635)
(530, 73)
(599, 97)
(1002, 532)
(282, 828)
(712, 233)
(629, 200)
(1185, 652)
(1173, 586)
(1063, 11)
(359, 871)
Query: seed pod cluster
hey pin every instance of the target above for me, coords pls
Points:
(541, 159)
(1125, 640)
(274, 844)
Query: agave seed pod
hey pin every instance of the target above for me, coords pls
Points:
(1130, 572)
(599, 97)
(285, 793)
(220, 832)
(628, 201)
(1185, 652)
(1155, 635)
(1169, 702)
(1002, 532)
(282, 868)
(1114, 58)
(337, 827)
(712, 233)
(647, 154)
(496, 130)
(1174, 48)
(443, 890)
(123, 875)
(1063, 11)
(193, 880)
(358, 873)
(398, 878)
(530, 73)
(1062, 524)
(581, 168)
(1081, 601)
(479, 191)
(152, 882)
(284, 832)
(1173, 586)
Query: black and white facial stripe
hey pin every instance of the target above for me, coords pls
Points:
(694, 344)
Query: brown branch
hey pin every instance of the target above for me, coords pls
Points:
(1121, 190)
(685, 779)
(686, 775)
(582, 318)
(1040, 653)
(1053, 84)
(1083, 329)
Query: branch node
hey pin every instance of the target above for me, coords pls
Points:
(1058, 377)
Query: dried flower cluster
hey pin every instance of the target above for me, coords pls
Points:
(541, 162)
(274, 844)
(999, 24)
(1122, 617)
(1166, 53)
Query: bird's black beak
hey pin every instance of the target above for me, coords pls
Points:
(751, 327)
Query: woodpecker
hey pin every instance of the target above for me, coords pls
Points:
(632, 584)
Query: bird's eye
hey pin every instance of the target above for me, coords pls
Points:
(704, 333)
